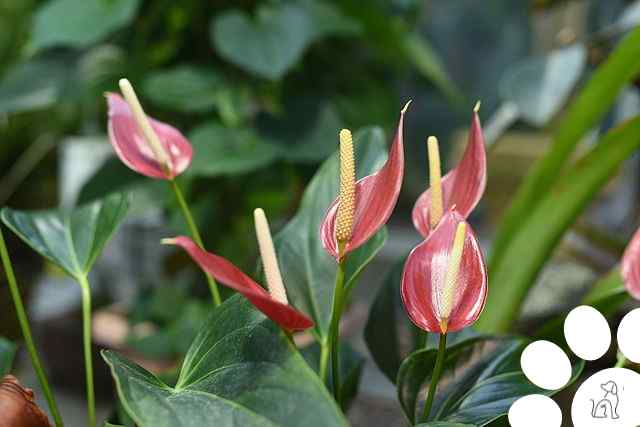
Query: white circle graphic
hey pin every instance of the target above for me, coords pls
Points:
(629, 336)
(535, 410)
(587, 332)
(546, 365)
(609, 398)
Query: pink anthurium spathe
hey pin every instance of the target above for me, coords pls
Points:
(273, 303)
(362, 207)
(146, 145)
(462, 187)
(631, 266)
(444, 282)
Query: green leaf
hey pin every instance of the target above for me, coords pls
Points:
(7, 353)
(223, 151)
(71, 240)
(185, 88)
(241, 370)
(274, 41)
(539, 85)
(538, 235)
(79, 23)
(585, 112)
(308, 271)
(33, 85)
(481, 379)
(351, 365)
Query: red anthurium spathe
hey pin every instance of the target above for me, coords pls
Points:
(273, 303)
(631, 266)
(462, 187)
(147, 146)
(444, 283)
(362, 207)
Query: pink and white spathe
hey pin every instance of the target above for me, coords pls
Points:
(154, 148)
(631, 266)
(462, 187)
(444, 283)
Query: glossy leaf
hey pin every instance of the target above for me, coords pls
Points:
(185, 88)
(462, 187)
(481, 379)
(375, 198)
(593, 102)
(224, 151)
(79, 23)
(71, 240)
(351, 365)
(33, 85)
(228, 274)
(7, 353)
(540, 85)
(308, 271)
(631, 266)
(133, 149)
(273, 41)
(539, 234)
(241, 370)
(425, 288)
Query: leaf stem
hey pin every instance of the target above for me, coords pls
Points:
(442, 347)
(26, 332)
(324, 359)
(193, 228)
(88, 354)
(621, 361)
(334, 331)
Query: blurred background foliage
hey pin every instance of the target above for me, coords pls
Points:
(261, 88)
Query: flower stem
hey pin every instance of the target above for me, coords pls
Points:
(334, 331)
(621, 361)
(186, 212)
(88, 354)
(26, 332)
(435, 378)
(324, 360)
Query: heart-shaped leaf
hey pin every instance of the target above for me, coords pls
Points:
(272, 42)
(79, 23)
(71, 240)
(241, 370)
(308, 271)
(481, 379)
(223, 151)
(7, 353)
(540, 85)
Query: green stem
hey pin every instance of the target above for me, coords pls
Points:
(621, 361)
(88, 354)
(26, 332)
(324, 360)
(437, 371)
(193, 228)
(334, 331)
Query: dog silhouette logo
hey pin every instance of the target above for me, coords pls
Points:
(607, 407)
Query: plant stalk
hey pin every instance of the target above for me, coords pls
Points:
(334, 331)
(193, 228)
(442, 347)
(26, 333)
(324, 360)
(88, 354)
(622, 361)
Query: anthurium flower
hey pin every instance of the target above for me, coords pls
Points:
(462, 187)
(444, 283)
(362, 207)
(631, 266)
(146, 145)
(274, 303)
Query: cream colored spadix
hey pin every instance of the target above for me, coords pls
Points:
(435, 182)
(144, 125)
(347, 206)
(269, 260)
(451, 279)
